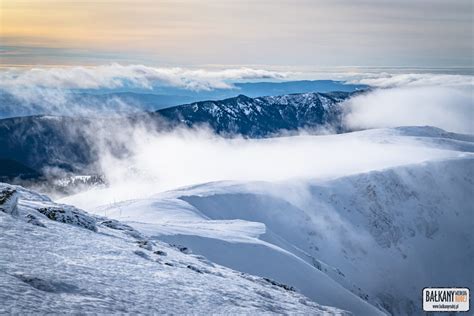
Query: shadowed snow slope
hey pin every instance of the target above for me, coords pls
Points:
(376, 237)
(58, 259)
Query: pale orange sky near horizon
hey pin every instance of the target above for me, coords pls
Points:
(277, 32)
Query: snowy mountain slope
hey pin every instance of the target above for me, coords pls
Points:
(106, 101)
(71, 144)
(58, 259)
(382, 235)
(235, 243)
(262, 116)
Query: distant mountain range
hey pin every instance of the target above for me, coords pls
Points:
(32, 143)
(262, 116)
(162, 97)
(69, 102)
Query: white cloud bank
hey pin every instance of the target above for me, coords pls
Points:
(117, 76)
(387, 80)
(48, 90)
(444, 101)
(441, 100)
(157, 162)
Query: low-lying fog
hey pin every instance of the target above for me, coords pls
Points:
(159, 162)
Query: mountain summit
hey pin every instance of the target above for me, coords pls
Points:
(262, 116)
(70, 142)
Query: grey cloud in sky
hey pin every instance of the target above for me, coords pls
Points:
(423, 33)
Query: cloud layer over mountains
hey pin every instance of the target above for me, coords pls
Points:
(387, 80)
(449, 108)
(50, 91)
(442, 100)
(117, 76)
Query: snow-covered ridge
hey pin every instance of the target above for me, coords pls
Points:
(36, 143)
(376, 237)
(52, 262)
(262, 116)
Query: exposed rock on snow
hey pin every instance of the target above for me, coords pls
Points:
(8, 200)
(68, 215)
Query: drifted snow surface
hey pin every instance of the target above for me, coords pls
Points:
(65, 261)
(380, 236)
(368, 243)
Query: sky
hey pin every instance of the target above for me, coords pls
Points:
(214, 33)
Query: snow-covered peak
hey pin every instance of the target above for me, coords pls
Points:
(262, 116)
